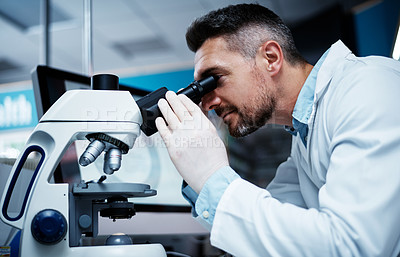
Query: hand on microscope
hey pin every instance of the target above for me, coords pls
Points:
(191, 139)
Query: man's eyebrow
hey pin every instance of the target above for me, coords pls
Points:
(211, 71)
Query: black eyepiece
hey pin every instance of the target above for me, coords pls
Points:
(148, 104)
(197, 89)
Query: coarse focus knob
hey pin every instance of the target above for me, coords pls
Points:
(49, 226)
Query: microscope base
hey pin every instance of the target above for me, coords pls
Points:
(139, 250)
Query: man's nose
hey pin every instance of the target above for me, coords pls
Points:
(210, 101)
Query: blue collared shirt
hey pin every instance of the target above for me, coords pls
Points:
(205, 203)
(304, 104)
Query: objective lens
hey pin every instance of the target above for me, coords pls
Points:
(112, 161)
(93, 150)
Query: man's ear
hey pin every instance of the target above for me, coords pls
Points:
(272, 55)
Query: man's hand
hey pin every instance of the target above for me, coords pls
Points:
(192, 140)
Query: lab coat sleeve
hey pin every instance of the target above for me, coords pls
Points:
(359, 205)
(285, 185)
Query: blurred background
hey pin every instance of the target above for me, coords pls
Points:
(143, 42)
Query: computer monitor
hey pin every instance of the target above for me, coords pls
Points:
(147, 162)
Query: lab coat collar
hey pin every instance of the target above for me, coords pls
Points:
(337, 52)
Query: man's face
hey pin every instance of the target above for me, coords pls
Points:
(242, 99)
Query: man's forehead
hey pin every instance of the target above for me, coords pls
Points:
(208, 56)
(204, 69)
(199, 65)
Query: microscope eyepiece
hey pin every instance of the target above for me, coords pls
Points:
(197, 89)
(148, 104)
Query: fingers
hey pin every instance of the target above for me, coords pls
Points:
(205, 112)
(179, 109)
(190, 106)
(162, 128)
(175, 111)
(168, 113)
(193, 109)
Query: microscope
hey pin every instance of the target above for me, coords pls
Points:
(54, 217)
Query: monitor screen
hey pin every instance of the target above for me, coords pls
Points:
(147, 162)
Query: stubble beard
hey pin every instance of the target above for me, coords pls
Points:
(255, 114)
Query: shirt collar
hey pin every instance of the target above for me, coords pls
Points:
(305, 100)
(304, 104)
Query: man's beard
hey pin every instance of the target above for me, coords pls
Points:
(252, 116)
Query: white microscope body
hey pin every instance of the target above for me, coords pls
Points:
(75, 115)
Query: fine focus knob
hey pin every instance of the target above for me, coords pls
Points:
(49, 226)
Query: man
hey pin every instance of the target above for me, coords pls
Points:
(338, 192)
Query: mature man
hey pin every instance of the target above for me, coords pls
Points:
(338, 192)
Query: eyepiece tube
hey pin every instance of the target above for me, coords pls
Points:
(148, 104)
(197, 89)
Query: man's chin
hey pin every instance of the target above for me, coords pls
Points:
(233, 129)
(237, 127)
(241, 131)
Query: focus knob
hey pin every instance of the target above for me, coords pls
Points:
(49, 226)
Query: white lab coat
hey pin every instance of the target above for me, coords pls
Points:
(341, 195)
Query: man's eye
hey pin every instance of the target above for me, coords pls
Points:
(220, 80)
(217, 77)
